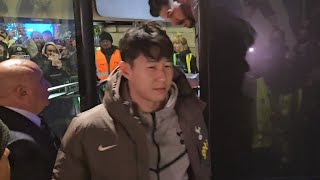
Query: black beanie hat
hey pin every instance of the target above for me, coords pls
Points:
(13, 50)
(4, 137)
(105, 36)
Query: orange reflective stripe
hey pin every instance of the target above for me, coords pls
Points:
(115, 60)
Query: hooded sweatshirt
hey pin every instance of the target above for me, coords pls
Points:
(55, 58)
(168, 158)
(52, 67)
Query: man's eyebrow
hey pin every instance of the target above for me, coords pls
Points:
(151, 60)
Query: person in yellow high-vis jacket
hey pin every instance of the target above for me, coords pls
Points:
(275, 113)
(108, 57)
(183, 58)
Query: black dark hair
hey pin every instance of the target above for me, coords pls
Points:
(47, 32)
(155, 6)
(14, 49)
(148, 39)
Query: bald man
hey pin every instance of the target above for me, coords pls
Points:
(23, 95)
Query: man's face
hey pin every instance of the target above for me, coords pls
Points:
(69, 41)
(105, 44)
(38, 39)
(47, 37)
(38, 90)
(178, 14)
(149, 80)
(50, 50)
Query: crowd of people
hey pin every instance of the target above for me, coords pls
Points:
(56, 57)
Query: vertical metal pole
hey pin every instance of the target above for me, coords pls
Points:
(85, 53)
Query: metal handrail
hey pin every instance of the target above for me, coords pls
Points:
(62, 86)
(63, 90)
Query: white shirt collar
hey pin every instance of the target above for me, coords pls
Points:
(32, 117)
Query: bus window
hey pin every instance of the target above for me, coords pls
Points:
(124, 10)
(44, 32)
(184, 58)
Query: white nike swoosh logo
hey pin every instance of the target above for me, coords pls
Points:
(101, 148)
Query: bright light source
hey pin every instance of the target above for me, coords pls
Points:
(251, 50)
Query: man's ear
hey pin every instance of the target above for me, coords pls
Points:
(21, 91)
(126, 70)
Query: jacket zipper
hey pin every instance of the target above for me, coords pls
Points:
(156, 144)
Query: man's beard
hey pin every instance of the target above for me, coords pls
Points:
(186, 9)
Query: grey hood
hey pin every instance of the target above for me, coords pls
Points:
(117, 90)
(162, 129)
(53, 44)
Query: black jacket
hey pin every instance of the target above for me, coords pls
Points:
(54, 75)
(32, 149)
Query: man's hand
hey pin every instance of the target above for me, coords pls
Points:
(55, 60)
(5, 166)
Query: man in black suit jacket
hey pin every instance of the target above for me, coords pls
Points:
(23, 95)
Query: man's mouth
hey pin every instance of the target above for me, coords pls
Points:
(160, 90)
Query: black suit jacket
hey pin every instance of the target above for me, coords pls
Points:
(33, 149)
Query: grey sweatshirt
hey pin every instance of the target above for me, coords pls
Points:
(167, 152)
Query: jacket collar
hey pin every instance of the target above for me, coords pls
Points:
(124, 113)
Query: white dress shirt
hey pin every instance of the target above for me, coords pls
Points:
(29, 115)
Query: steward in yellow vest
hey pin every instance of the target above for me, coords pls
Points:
(183, 57)
(186, 61)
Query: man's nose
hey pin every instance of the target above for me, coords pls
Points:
(174, 21)
(161, 74)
